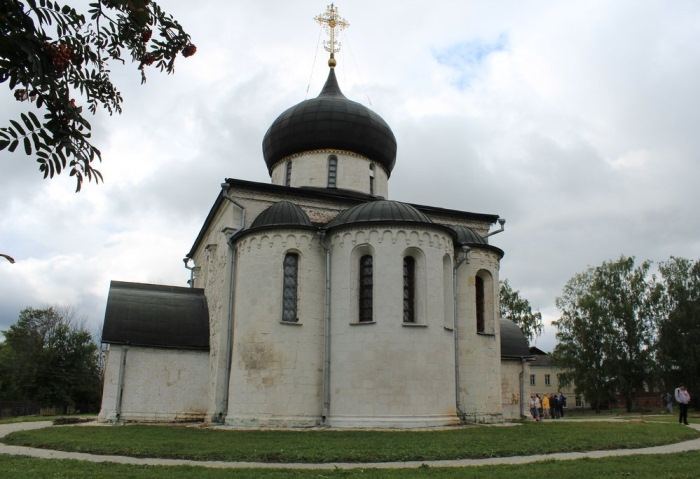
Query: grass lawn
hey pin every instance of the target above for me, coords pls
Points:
(328, 446)
(312, 446)
(677, 466)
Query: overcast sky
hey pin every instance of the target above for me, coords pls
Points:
(577, 121)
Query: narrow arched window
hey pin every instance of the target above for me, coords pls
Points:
(371, 178)
(332, 171)
(409, 289)
(291, 283)
(480, 305)
(366, 286)
(288, 174)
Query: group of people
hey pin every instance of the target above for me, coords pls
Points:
(548, 406)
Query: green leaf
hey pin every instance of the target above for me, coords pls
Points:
(18, 127)
(27, 145)
(58, 164)
(4, 144)
(34, 119)
(37, 141)
(27, 121)
(13, 146)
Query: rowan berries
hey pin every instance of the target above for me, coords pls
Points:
(61, 55)
(189, 50)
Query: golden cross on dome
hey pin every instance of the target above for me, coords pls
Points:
(330, 20)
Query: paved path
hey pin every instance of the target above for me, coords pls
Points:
(5, 429)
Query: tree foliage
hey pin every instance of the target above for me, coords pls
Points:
(516, 308)
(49, 356)
(679, 330)
(55, 60)
(607, 330)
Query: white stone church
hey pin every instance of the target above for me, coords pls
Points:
(315, 300)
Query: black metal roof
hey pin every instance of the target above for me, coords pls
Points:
(513, 341)
(379, 211)
(330, 121)
(156, 315)
(282, 213)
(542, 358)
(325, 194)
(468, 236)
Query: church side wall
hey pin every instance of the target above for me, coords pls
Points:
(479, 353)
(276, 376)
(213, 260)
(159, 384)
(514, 404)
(387, 373)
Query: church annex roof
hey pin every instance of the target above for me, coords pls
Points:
(156, 315)
(282, 213)
(513, 341)
(330, 121)
(379, 211)
(468, 236)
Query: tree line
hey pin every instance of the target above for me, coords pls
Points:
(624, 328)
(48, 356)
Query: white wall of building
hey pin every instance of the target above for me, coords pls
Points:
(158, 384)
(515, 402)
(387, 373)
(479, 353)
(276, 376)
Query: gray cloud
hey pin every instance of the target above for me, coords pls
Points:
(581, 130)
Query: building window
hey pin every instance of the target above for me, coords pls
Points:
(371, 178)
(332, 171)
(532, 380)
(547, 380)
(579, 402)
(409, 289)
(480, 310)
(288, 174)
(366, 284)
(291, 283)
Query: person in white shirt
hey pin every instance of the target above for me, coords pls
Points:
(683, 399)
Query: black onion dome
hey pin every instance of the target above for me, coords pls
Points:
(282, 213)
(467, 236)
(330, 121)
(381, 211)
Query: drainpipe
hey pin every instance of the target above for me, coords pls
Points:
(120, 383)
(458, 401)
(186, 260)
(229, 232)
(522, 388)
(502, 222)
(327, 336)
